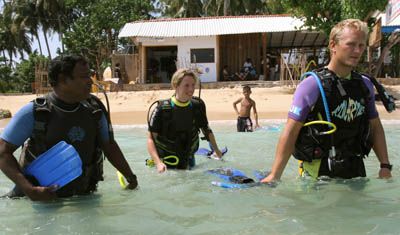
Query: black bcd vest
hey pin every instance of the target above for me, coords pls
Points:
(45, 119)
(347, 100)
(180, 130)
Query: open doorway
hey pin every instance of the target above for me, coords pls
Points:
(160, 63)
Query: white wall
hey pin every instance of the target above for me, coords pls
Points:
(393, 13)
(158, 41)
(209, 70)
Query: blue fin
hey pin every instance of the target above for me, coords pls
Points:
(203, 152)
(207, 152)
(234, 178)
(232, 185)
(224, 150)
(226, 173)
(57, 166)
(260, 174)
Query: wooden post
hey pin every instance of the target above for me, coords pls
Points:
(217, 58)
(141, 56)
(264, 55)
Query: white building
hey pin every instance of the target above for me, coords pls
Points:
(211, 43)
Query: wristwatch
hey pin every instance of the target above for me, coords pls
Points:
(387, 166)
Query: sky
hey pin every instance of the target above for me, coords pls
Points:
(54, 43)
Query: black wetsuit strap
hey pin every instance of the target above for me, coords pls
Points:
(41, 113)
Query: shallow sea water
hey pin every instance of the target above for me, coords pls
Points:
(185, 202)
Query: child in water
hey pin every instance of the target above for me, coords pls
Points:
(244, 123)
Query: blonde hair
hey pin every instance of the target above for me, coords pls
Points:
(180, 74)
(355, 24)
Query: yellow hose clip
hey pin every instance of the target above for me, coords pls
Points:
(166, 160)
(332, 125)
(171, 163)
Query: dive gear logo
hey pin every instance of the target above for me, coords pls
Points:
(295, 110)
(349, 110)
(76, 133)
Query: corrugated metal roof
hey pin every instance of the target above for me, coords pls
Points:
(207, 26)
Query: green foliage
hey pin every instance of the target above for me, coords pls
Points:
(24, 74)
(13, 37)
(22, 77)
(5, 74)
(96, 27)
(324, 14)
(197, 8)
(183, 8)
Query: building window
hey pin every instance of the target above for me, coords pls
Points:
(204, 55)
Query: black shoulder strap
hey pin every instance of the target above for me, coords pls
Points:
(330, 79)
(387, 99)
(196, 100)
(166, 113)
(97, 108)
(197, 105)
(41, 114)
(358, 76)
(199, 114)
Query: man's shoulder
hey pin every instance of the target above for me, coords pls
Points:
(365, 78)
(197, 99)
(309, 83)
(27, 109)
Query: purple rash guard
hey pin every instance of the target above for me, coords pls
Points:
(307, 93)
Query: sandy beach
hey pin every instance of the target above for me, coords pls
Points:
(129, 108)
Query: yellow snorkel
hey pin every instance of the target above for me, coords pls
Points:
(121, 180)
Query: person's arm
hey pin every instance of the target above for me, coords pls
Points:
(214, 145)
(206, 130)
(255, 114)
(155, 127)
(114, 154)
(379, 146)
(17, 131)
(284, 149)
(151, 148)
(234, 106)
(304, 98)
(11, 168)
(377, 133)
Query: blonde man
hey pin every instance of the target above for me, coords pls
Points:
(175, 124)
(350, 99)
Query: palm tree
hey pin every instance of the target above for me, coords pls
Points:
(52, 17)
(13, 37)
(25, 15)
(227, 6)
(186, 8)
(183, 8)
